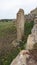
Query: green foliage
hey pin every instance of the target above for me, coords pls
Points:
(7, 28)
(27, 28)
(7, 33)
(21, 45)
(6, 60)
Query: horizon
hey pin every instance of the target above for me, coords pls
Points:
(15, 17)
(9, 9)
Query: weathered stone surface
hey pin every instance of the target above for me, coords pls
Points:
(34, 32)
(21, 58)
(32, 60)
(26, 57)
(30, 42)
(29, 56)
(20, 24)
(30, 17)
(34, 11)
(32, 39)
(35, 20)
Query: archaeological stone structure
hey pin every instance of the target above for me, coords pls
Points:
(29, 55)
(34, 12)
(21, 58)
(32, 38)
(20, 20)
(20, 24)
(30, 17)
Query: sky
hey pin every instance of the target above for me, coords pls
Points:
(9, 8)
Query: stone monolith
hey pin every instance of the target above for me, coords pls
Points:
(20, 24)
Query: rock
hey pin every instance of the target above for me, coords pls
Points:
(30, 42)
(28, 56)
(32, 60)
(20, 24)
(32, 38)
(21, 58)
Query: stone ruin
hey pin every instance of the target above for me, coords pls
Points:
(20, 20)
(31, 41)
(21, 58)
(30, 17)
(26, 57)
(32, 38)
(34, 30)
(20, 24)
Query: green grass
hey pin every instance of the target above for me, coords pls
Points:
(6, 60)
(7, 34)
(6, 28)
(28, 27)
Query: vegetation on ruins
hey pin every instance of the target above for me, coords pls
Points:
(8, 29)
(27, 30)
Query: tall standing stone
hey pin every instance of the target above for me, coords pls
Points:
(20, 24)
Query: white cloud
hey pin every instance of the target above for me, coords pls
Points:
(9, 8)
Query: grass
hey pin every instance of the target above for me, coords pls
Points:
(6, 28)
(7, 34)
(6, 60)
(28, 27)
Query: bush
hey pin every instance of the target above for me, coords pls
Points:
(27, 28)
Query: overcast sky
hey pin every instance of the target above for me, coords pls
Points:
(9, 8)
